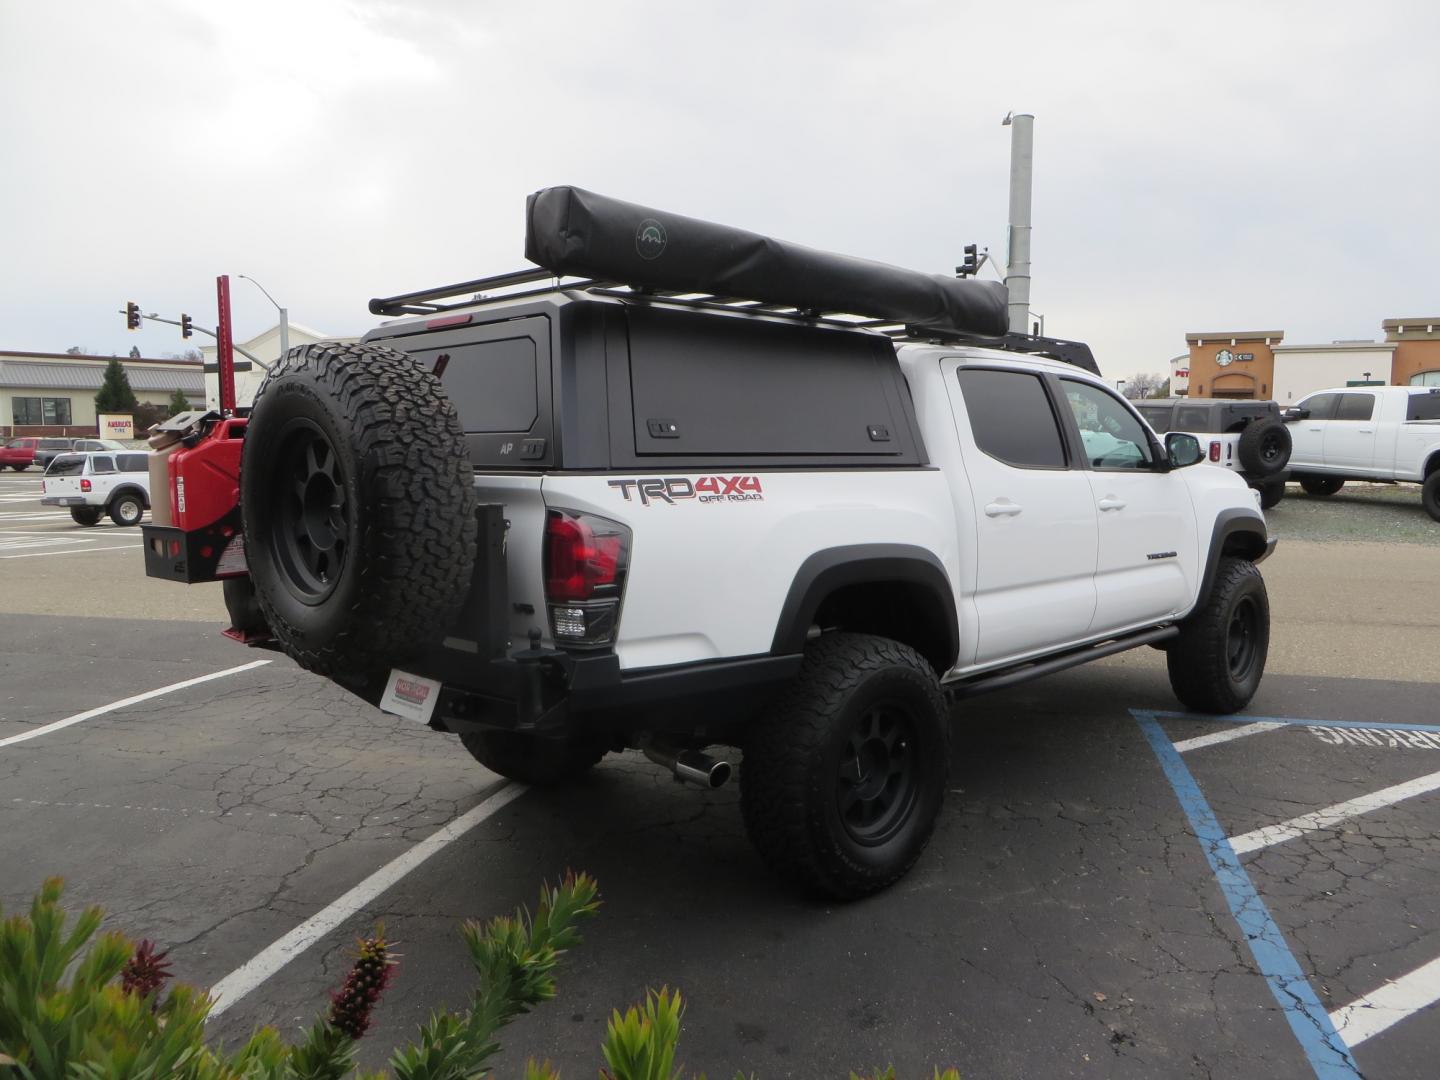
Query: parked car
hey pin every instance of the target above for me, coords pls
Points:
(85, 446)
(588, 517)
(19, 453)
(42, 451)
(1389, 434)
(95, 484)
(1247, 437)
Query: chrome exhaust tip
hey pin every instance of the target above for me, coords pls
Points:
(691, 766)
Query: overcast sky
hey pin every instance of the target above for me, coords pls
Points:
(1213, 166)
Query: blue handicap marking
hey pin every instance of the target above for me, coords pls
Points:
(1308, 1018)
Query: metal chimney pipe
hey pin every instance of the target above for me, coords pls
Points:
(1022, 168)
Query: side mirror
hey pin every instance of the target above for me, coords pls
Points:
(1295, 413)
(1183, 450)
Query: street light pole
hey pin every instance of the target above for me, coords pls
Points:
(284, 314)
(1022, 167)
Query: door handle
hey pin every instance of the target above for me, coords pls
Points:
(1315, 429)
(1002, 508)
(1367, 431)
(1110, 502)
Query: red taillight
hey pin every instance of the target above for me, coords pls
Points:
(586, 557)
(84, 485)
(579, 559)
(1214, 451)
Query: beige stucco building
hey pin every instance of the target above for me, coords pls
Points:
(54, 393)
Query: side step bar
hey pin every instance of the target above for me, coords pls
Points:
(1046, 665)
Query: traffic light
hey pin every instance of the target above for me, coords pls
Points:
(132, 316)
(971, 266)
(185, 325)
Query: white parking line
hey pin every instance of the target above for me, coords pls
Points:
(275, 956)
(90, 714)
(1226, 736)
(75, 551)
(1330, 816)
(1375, 1012)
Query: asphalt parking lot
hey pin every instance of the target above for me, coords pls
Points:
(1114, 890)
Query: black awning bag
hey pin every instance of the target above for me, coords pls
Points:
(570, 231)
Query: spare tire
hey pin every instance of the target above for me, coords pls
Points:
(1264, 447)
(358, 500)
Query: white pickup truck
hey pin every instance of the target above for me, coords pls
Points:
(93, 484)
(1380, 433)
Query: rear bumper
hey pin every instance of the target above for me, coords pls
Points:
(552, 693)
(63, 500)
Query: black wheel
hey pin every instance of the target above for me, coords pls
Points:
(1430, 495)
(1264, 447)
(85, 515)
(1219, 658)
(1321, 485)
(1272, 494)
(841, 784)
(126, 509)
(20, 468)
(242, 606)
(533, 760)
(359, 507)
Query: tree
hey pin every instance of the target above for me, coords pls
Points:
(115, 395)
(134, 352)
(178, 403)
(1142, 386)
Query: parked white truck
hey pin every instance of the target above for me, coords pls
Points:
(93, 484)
(1389, 434)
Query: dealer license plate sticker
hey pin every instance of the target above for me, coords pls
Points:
(410, 696)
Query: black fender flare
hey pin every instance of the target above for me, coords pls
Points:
(128, 489)
(834, 568)
(1244, 530)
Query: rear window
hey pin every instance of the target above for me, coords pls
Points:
(1423, 406)
(99, 464)
(1011, 418)
(66, 465)
(492, 384)
(1157, 416)
(1356, 407)
(133, 462)
(1194, 418)
(714, 385)
(1321, 406)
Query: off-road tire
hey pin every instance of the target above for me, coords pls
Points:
(797, 777)
(86, 515)
(1218, 660)
(126, 509)
(1321, 485)
(1430, 494)
(1272, 494)
(1264, 448)
(533, 760)
(356, 446)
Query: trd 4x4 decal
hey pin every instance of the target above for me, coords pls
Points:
(707, 489)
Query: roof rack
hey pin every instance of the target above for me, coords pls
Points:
(425, 302)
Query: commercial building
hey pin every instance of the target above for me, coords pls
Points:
(54, 393)
(1256, 364)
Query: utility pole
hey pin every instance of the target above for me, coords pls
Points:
(1022, 168)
